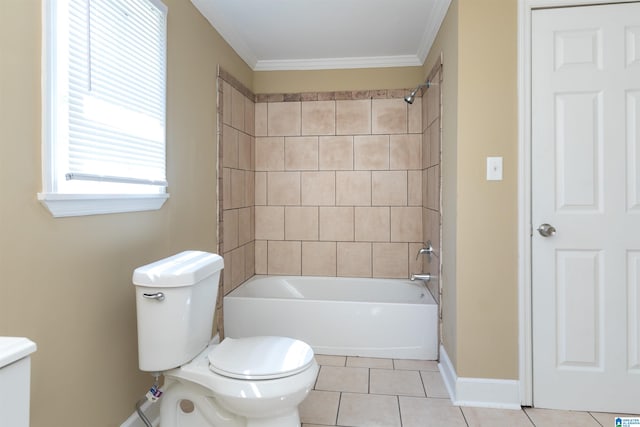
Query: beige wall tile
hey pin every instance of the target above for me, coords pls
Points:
(284, 258)
(319, 118)
(336, 153)
(414, 190)
(230, 227)
(237, 109)
(260, 110)
(261, 257)
(227, 282)
(260, 188)
(389, 188)
(229, 147)
(300, 223)
(389, 116)
(244, 226)
(425, 185)
(249, 260)
(433, 104)
(249, 116)
(336, 223)
(319, 258)
(237, 189)
(301, 153)
(426, 149)
(283, 188)
(433, 188)
(252, 210)
(353, 117)
(269, 222)
(372, 224)
(415, 116)
(426, 223)
(318, 188)
(434, 143)
(226, 103)
(354, 259)
(434, 230)
(270, 154)
(406, 224)
(415, 261)
(283, 119)
(353, 188)
(244, 151)
(226, 188)
(371, 152)
(390, 260)
(405, 151)
(237, 267)
(249, 188)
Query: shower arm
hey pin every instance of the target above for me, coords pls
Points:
(409, 99)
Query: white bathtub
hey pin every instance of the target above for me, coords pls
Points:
(339, 316)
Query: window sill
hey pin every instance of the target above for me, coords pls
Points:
(63, 205)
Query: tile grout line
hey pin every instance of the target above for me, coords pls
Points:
(528, 417)
(424, 386)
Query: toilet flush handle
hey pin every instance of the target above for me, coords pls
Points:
(157, 296)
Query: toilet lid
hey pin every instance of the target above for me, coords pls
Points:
(260, 358)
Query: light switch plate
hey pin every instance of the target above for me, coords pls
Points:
(494, 168)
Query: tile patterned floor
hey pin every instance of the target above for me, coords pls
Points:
(367, 392)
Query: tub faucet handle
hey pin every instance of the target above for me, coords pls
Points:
(428, 250)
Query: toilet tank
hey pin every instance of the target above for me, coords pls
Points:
(175, 302)
(15, 374)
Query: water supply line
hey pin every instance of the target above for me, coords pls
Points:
(152, 396)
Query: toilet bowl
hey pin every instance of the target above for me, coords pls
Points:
(266, 395)
(246, 382)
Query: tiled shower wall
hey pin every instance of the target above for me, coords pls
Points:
(431, 147)
(339, 184)
(331, 184)
(236, 158)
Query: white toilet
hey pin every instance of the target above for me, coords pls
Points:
(246, 382)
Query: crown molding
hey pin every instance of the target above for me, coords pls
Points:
(431, 29)
(227, 31)
(338, 63)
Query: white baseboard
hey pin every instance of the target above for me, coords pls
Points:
(152, 411)
(481, 392)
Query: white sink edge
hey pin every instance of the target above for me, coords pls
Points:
(14, 348)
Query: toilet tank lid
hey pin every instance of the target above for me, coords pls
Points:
(14, 348)
(183, 269)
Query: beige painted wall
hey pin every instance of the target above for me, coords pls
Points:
(336, 80)
(480, 310)
(487, 284)
(66, 283)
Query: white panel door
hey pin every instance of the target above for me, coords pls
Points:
(586, 187)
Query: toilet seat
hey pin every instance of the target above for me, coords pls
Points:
(260, 358)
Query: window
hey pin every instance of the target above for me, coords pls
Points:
(104, 78)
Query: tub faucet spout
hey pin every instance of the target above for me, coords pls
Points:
(415, 276)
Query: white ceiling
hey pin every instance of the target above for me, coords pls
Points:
(327, 34)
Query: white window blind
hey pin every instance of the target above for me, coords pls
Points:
(116, 92)
(104, 74)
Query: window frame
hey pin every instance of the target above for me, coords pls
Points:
(65, 204)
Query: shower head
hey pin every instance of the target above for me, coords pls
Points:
(410, 98)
